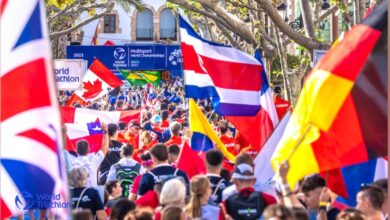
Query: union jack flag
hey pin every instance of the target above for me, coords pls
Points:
(31, 142)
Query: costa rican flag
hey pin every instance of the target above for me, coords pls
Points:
(32, 173)
(229, 76)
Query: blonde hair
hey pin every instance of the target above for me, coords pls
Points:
(78, 177)
(199, 184)
(146, 134)
(173, 192)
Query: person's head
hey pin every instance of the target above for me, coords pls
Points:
(164, 114)
(173, 192)
(159, 153)
(312, 187)
(82, 147)
(82, 214)
(156, 120)
(112, 130)
(243, 176)
(225, 174)
(300, 213)
(175, 128)
(172, 213)
(127, 151)
(134, 127)
(278, 212)
(214, 160)
(244, 158)
(140, 213)
(146, 160)
(113, 188)
(200, 193)
(121, 208)
(78, 177)
(146, 138)
(277, 91)
(370, 199)
(171, 108)
(173, 153)
(382, 183)
(223, 127)
(119, 104)
(122, 126)
(351, 214)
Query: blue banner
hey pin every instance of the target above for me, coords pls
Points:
(132, 57)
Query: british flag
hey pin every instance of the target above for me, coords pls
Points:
(31, 140)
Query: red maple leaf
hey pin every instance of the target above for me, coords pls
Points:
(92, 89)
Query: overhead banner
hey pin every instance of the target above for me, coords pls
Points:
(69, 73)
(132, 57)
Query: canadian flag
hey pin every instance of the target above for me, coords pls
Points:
(81, 115)
(96, 82)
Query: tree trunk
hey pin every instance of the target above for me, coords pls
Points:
(307, 17)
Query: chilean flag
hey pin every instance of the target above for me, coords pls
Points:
(229, 76)
(96, 82)
(80, 115)
(91, 132)
(255, 130)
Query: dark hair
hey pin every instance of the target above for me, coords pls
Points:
(277, 89)
(214, 157)
(381, 183)
(82, 147)
(244, 158)
(164, 114)
(112, 129)
(163, 106)
(279, 211)
(145, 156)
(119, 104)
(225, 174)
(174, 149)
(127, 150)
(312, 182)
(300, 213)
(375, 195)
(207, 108)
(351, 214)
(122, 126)
(82, 214)
(223, 129)
(160, 152)
(110, 185)
(142, 213)
(121, 208)
(171, 213)
(171, 108)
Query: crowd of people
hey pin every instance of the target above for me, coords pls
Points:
(135, 175)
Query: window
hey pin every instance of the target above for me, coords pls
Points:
(144, 25)
(167, 25)
(109, 23)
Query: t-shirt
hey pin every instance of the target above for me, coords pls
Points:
(281, 106)
(90, 199)
(112, 157)
(148, 182)
(210, 212)
(137, 180)
(217, 181)
(230, 143)
(174, 140)
(90, 162)
(150, 199)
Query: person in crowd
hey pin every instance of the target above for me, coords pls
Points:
(227, 138)
(351, 214)
(175, 129)
(121, 208)
(214, 163)
(278, 212)
(83, 197)
(173, 154)
(147, 163)
(165, 120)
(370, 200)
(140, 214)
(87, 160)
(281, 105)
(173, 213)
(198, 206)
(382, 183)
(132, 134)
(82, 214)
(126, 170)
(317, 198)
(162, 170)
(147, 141)
(114, 190)
(247, 203)
(173, 193)
(113, 154)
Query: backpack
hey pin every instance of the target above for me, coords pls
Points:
(126, 175)
(246, 207)
(160, 179)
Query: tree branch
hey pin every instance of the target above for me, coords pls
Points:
(308, 19)
(238, 5)
(326, 14)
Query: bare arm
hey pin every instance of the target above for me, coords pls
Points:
(106, 140)
(289, 197)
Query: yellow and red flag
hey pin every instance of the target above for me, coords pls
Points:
(341, 115)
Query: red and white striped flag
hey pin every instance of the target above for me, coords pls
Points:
(96, 82)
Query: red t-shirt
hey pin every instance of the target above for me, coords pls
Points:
(149, 199)
(165, 124)
(137, 180)
(281, 106)
(230, 143)
(174, 140)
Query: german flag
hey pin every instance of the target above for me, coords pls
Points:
(341, 115)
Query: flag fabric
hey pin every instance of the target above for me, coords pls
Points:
(81, 115)
(263, 168)
(91, 132)
(203, 135)
(73, 99)
(256, 129)
(341, 115)
(95, 41)
(227, 75)
(142, 78)
(30, 119)
(96, 82)
(191, 162)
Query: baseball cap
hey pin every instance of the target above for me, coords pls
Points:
(243, 171)
(134, 123)
(156, 119)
